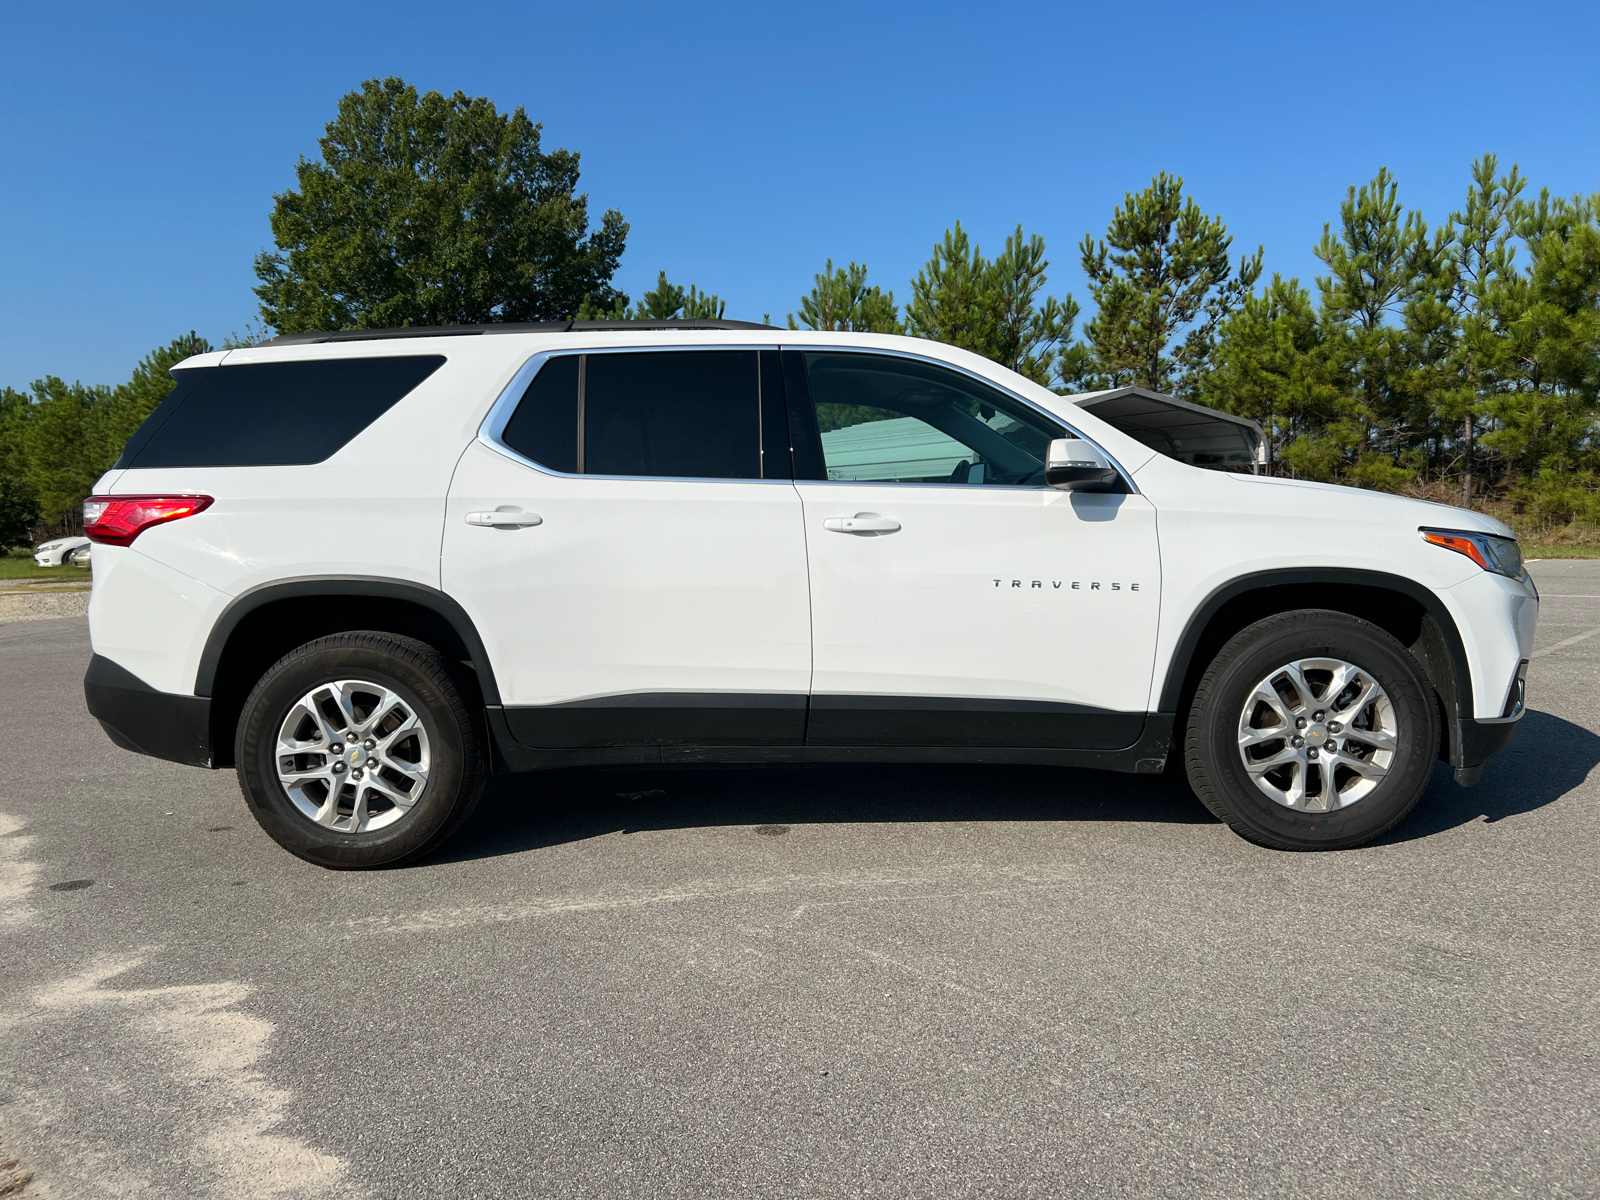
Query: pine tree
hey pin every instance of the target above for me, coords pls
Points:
(991, 307)
(1381, 259)
(664, 302)
(1163, 284)
(660, 303)
(841, 300)
(698, 305)
(1272, 364)
(1482, 255)
(1545, 416)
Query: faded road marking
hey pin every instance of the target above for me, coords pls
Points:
(1561, 645)
(18, 873)
(827, 887)
(216, 1047)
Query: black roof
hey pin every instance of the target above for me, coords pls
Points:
(423, 331)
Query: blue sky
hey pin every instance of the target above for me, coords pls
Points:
(141, 145)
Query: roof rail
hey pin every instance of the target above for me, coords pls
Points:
(423, 331)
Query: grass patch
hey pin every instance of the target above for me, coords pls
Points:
(1557, 550)
(26, 568)
(19, 564)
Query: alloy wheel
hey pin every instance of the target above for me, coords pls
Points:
(353, 756)
(1318, 734)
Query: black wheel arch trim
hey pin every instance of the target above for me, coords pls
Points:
(431, 598)
(1178, 668)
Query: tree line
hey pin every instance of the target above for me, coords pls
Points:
(1458, 360)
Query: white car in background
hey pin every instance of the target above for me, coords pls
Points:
(370, 568)
(54, 554)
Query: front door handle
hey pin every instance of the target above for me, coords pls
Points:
(504, 518)
(867, 523)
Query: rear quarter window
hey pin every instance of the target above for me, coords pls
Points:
(272, 414)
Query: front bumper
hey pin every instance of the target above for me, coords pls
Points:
(137, 717)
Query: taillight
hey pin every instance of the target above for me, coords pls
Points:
(117, 520)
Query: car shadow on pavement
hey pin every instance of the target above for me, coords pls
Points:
(1547, 759)
(528, 812)
(518, 813)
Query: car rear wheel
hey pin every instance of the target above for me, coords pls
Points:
(359, 750)
(1311, 730)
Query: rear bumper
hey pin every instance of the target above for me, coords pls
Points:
(1478, 742)
(137, 717)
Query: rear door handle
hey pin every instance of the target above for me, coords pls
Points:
(504, 518)
(861, 523)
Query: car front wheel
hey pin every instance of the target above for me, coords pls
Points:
(1311, 730)
(358, 750)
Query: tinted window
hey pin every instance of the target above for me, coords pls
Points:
(545, 425)
(686, 413)
(272, 414)
(690, 414)
(893, 420)
(188, 381)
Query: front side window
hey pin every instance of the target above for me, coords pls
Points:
(884, 419)
(689, 414)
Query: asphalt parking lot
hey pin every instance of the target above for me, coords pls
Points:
(809, 982)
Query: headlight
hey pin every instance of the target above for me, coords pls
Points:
(1498, 554)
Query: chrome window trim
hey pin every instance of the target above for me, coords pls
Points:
(499, 415)
(492, 428)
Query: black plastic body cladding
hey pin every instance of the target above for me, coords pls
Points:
(137, 717)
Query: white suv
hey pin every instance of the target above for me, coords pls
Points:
(369, 569)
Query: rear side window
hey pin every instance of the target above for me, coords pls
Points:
(687, 414)
(545, 425)
(272, 414)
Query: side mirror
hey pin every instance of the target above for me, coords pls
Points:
(1073, 465)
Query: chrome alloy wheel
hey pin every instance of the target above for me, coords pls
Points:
(1318, 734)
(353, 756)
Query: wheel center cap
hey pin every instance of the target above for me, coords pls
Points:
(1316, 734)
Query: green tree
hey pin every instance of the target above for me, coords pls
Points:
(110, 425)
(433, 210)
(55, 442)
(594, 310)
(841, 300)
(1162, 284)
(19, 513)
(1482, 254)
(1544, 414)
(19, 507)
(57, 439)
(660, 303)
(701, 306)
(1272, 364)
(991, 307)
(664, 302)
(1380, 261)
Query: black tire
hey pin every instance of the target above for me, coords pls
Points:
(1212, 755)
(423, 679)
